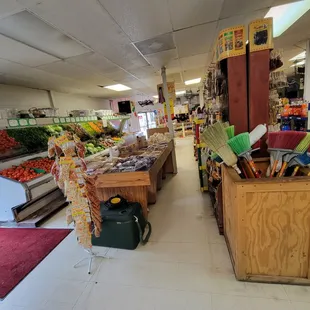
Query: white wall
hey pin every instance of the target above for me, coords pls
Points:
(22, 97)
(25, 98)
(68, 102)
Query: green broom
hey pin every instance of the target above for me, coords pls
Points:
(241, 145)
(301, 148)
(230, 130)
(216, 139)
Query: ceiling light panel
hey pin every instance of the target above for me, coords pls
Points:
(194, 81)
(284, 16)
(118, 87)
(299, 56)
(23, 54)
(29, 29)
(201, 11)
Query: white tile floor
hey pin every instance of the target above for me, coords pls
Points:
(184, 266)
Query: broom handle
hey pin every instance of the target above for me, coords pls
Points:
(283, 169)
(295, 171)
(274, 167)
(253, 167)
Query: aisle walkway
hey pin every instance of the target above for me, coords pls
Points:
(185, 266)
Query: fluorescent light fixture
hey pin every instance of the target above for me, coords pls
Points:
(118, 87)
(194, 81)
(299, 56)
(27, 28)
(284, 16)
(180, 92)
(155, 97)
(299, 63)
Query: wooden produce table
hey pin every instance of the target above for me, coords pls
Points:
(138, 186)
(267, 227)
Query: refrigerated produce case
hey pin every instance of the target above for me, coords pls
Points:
(27, 202)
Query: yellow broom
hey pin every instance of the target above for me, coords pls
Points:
(216, 139)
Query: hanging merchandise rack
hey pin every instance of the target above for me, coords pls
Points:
(199, 145)
(79, 189)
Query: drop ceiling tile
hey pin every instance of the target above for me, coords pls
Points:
(48, 80)
(71, 71)
(195, 40)
(194, 61)
(23, 54)
(143, 72)
(239, 7)
(118, 75)
(31, 30)
(175, 77)
(193, 74)
(186, 13)
(8, 7)
(158, 44)
(140, 19)
(90, 24)
(166, 58)
(94, 62)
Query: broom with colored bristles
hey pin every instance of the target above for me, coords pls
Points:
(230, 130)
(302, 160)
(241, 145)
(281, 143)
(301, 148)
(216, 139)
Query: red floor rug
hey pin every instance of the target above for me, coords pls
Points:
(21, 250)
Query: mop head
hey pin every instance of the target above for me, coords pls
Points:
(240, 143)
(230, 130)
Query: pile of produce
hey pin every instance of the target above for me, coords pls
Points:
(41, 163)
(33, 139)
(157, 138)
(20, 174)
(78, 130)
(6, 142)
(89, 129)
(93, 147)
(53, 130)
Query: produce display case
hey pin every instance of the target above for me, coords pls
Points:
(25, 193)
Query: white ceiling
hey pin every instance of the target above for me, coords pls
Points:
(75, 45)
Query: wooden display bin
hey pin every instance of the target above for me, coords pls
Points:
(267, 227)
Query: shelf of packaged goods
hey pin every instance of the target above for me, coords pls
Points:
(14, 123)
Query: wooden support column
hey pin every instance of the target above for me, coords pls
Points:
(237, 93)
(259, 90)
